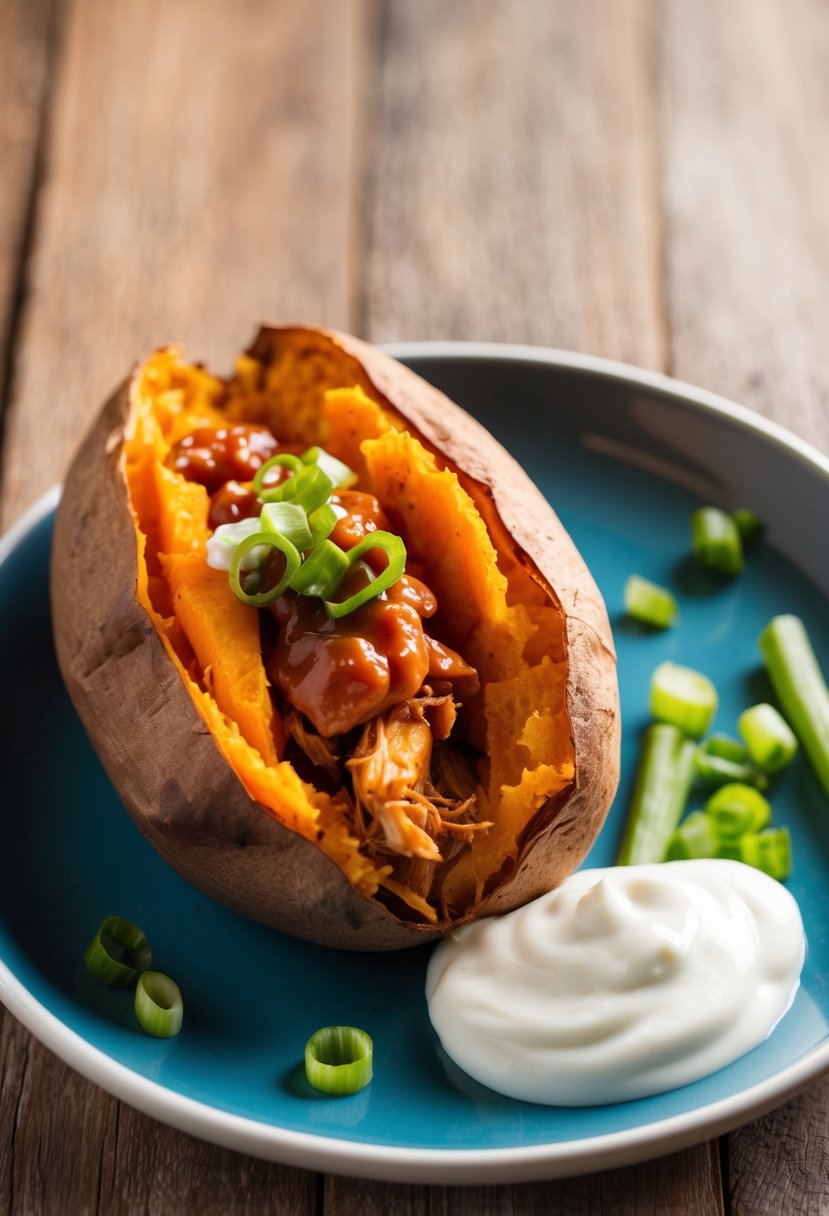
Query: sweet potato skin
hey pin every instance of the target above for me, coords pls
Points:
(142, 721)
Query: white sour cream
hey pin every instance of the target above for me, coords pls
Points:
(621, 983)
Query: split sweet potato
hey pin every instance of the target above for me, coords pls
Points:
(506, 780)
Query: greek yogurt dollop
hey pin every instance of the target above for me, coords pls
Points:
(621, 983)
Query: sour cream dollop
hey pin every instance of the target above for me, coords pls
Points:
(621, 983)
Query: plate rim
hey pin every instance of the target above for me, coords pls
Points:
(369, 1159)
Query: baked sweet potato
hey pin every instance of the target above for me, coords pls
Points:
(433, 804)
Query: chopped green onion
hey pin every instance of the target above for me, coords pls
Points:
(769, 851)
(715, 540)
(663, 780)
(716, 770)
(647, 602)
(769, 738)
(322, 571)
(284, 461)
(695, 837)
(683, 697)
(749, 525)
(721, 759)
(338, 1059)
(737, 809)
(117, 953)
(293, 559)
(395, 551)
(734, 850)
(724, 746)
(341, 475)
(158, 1004)
(287, 519)
(323, 521)
(310, 487)
(798, 681)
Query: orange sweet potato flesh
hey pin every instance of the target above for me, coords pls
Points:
(165, 667)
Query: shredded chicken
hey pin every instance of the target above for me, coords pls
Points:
(394, 797)
(321, 752)
(439, 709)
(452, 773)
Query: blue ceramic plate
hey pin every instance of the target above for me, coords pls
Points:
(624, 456)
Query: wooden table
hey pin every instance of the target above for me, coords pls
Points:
(642, 179)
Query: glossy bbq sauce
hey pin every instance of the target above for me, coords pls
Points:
(339, 673)
(213, 455)
(225, 460)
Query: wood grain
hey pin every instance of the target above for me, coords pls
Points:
(683, 1184)
(515, 189)
(25, 37)
(746, 163)
(68, 1147)
(781, 1163)
(183, 138)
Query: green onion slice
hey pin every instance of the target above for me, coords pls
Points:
(737, 849)
(749, 525)
(323, 521)
(287, 519)
(772, 852)
(284, 460)
(395, 551)
(338, 1059)
(770, 740)
(158, 1004)
(715, 540)
(117, 953)
(309, 486)
(261, 599)
(663, 781)
(737, 809)
(683, 697)
(341, 475)
(799, 683)
(769, 851)
(322, 571)
(716, 770)
(647, 602)
(721, 759)
(695, 837)
(724, 746)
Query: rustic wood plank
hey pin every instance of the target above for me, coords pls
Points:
(200, 178)
(747, 205)
(50, 1119)
(746, 166)
(69, 1147)
(25, 29)
(168, 1173)
(515, 178)
(684, 1184)
(781, 1163)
